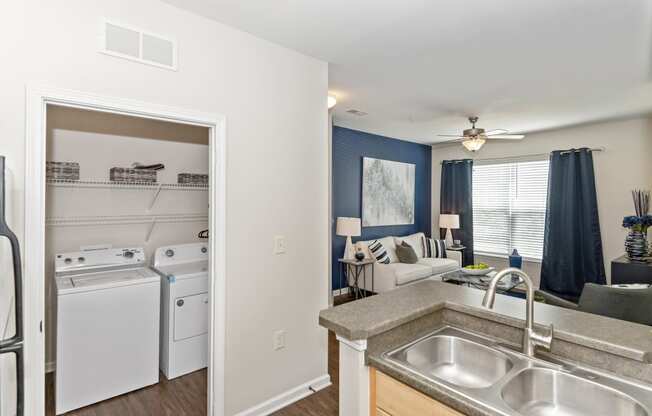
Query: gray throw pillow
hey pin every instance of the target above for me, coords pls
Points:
(406, 253)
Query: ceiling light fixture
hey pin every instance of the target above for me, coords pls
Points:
(474, 144)
(332, 101)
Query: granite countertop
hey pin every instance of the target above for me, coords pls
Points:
(374, 315)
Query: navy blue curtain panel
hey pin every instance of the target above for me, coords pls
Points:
(572, 245)
(456, 198)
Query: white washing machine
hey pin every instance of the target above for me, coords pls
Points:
(184, 307)
(108, 310)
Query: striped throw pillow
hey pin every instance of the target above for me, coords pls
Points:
(434, 248)
(379, 252)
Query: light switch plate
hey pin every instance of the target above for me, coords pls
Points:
(279, 244)
(279, 340)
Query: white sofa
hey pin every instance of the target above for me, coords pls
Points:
(395, 274)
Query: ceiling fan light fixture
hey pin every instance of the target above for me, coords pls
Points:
(474, 144)
(474, 138)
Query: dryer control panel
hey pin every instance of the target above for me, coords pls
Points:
(180, 254)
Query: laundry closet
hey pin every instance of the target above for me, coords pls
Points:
(126, 260)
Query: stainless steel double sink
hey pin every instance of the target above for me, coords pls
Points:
(511, 383)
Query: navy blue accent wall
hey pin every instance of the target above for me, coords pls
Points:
(349, 147)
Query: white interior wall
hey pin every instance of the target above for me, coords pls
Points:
(274, 102)
(623, 166)
(96, 151)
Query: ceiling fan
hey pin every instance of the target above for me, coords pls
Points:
(474, 138)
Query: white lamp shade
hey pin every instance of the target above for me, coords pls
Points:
(450, 221)
(348, 227)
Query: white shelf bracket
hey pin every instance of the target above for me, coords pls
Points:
(150, 229)
(155, 197)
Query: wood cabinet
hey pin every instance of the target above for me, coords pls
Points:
(390, 397)
(381, 412)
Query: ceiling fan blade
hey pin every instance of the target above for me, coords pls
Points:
(455, 139)
(450, 135)
(494, 132)
(507, 136)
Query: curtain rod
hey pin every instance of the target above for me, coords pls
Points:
(593, 149)
(532, 155)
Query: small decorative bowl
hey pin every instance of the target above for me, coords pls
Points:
(477, 272)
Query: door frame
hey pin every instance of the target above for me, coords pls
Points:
(38, 98)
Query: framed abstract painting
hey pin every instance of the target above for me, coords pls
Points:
(387, 192)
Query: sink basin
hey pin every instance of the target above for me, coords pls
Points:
(543, 392)
(455, 360)
(512, 384)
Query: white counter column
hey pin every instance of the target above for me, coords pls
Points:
(354, 378)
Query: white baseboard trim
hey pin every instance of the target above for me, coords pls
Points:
(338, 292)
(288, 397)
(50, 367)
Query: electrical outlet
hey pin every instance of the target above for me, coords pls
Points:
(279, 340)
(279, 244)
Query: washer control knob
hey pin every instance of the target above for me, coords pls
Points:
(67, 260)
(169, 252)
(128, 254)
(180, 302)
(81, 259)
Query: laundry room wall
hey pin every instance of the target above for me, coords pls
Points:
(99, 141)
(274, 103)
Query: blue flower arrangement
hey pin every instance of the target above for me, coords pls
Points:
(637, 223)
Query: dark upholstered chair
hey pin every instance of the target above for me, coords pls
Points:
(633, 305)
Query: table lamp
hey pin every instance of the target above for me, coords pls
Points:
(450, 222)
(348, 227)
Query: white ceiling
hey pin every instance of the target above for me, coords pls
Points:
(419, 67)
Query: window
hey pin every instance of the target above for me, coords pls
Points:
(509, 207)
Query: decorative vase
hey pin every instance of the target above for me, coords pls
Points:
(515, 261)
(636, 245)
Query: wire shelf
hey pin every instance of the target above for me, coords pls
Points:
(124, 220)
(62, 183)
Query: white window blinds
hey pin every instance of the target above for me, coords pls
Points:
(509, 207)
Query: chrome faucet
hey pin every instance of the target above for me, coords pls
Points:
(531, 338)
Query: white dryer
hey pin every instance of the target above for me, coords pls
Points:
(184, 307)
(108, 308)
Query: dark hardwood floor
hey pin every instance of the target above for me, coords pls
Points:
(186, 396)
(183, 396)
